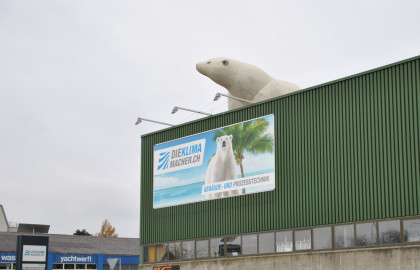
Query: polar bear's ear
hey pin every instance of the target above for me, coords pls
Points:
(217, 139)
(231, 137)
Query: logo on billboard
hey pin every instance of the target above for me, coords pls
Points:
(179, 157)
(34, 253)
(163, 160)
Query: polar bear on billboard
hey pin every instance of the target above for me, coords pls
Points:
(222, 166)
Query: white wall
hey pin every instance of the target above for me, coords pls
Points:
(4, 226)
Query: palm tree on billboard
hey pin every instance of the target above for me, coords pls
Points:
(248, 137)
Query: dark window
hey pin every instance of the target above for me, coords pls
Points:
(5, 265)
(175, 251)
(188, 249)
(344, 236)
(217, 247)
(266, 243)
(303, 240)
(322, 238)
(411, 230)
(233, 245)
(57, 266)
(249, 244)
(161, 252)
(284, 241)
(389, 232)
(202, 248)
(148, 254)
(366, 234)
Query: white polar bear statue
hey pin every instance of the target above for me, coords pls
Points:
(222, 166)
(244, 81)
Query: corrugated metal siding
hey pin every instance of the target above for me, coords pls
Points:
(134, 260)
(346, 151)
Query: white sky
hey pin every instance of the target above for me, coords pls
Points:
(75, 75)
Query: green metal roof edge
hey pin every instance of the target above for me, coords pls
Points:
(289, 94)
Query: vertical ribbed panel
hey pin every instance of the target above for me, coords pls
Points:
(346, 151)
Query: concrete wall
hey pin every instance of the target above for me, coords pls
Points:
(401, 258)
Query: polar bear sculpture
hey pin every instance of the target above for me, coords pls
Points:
(244, 81)
(222, 166)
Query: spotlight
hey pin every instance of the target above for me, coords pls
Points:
(139, 120)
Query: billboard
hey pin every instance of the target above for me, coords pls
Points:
(229, 161)
(31, 252)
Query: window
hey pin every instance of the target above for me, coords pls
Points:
(175, 251)
(161, 252)
(322, 238)
(303, 240)
(411, 230)
(5, 266)
(217, 247)
(80, 266)
(68, 266)
(344, 236)
(148, 254)
(266, 243)
(91, 266)
(284, 241)
(58, 266)
(389, 232)
(249, 244)
(202, 247)
(188, 249)
(366, 234)
(233, 245)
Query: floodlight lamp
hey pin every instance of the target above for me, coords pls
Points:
(176, 108)
(139, 120)
(218, 95)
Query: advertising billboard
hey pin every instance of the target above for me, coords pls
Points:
(229, 161)
(33, 253)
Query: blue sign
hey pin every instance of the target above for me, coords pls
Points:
(8, 257)
(70, 258)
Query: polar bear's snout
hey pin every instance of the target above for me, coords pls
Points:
(224, 144)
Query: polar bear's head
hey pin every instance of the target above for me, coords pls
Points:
(240, 79)
(221, 70)
(224, 144)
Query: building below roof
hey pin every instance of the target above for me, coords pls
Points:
(69, 252)
(75, 252)
(78, 244)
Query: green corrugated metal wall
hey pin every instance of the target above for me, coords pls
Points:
(346, 151)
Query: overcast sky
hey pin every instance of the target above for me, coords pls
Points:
(75, 75)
